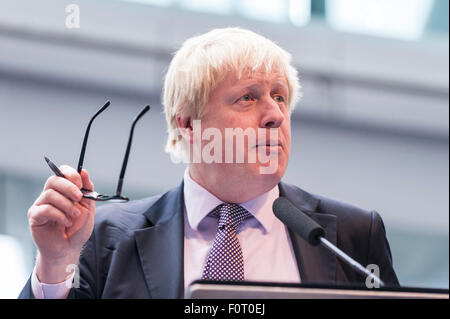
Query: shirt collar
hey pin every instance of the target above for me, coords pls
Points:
(199, 202)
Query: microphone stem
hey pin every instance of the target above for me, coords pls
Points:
(350, 260)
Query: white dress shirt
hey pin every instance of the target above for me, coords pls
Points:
(266, 246)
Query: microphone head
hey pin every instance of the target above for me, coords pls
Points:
(298, 221)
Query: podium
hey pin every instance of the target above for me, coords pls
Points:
(202, 289)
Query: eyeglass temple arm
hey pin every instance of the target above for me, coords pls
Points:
(86, 135)
(127, 152)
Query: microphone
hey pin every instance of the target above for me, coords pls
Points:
(313, 233)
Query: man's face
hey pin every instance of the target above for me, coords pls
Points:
(254, 103)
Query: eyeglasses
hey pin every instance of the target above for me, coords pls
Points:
(88, 193)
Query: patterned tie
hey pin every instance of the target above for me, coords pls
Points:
(225, 260)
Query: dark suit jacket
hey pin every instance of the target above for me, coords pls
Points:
(136, 248)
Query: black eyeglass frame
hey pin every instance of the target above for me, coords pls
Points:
(90, 194)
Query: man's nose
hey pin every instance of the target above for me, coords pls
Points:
(271, 114)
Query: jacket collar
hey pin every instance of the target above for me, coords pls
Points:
(161, 247)
(316, 264)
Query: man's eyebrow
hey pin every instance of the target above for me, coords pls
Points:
(247, 86)
(246, 83)
(255, 85)
(280, 85)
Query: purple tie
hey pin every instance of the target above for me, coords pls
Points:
(225, 260)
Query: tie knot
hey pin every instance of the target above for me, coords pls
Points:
(230, 215)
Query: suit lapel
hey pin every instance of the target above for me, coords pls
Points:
(316, 264)
(160, 246)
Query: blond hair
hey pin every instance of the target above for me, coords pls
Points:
(203, 61)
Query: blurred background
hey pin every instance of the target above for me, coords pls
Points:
(371, 130)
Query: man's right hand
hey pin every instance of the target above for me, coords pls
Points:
(61, 221)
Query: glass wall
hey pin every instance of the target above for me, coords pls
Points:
(400, 19)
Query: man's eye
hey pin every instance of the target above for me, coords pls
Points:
(279, 98)
(245, 97)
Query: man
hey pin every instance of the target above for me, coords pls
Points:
(218, 224)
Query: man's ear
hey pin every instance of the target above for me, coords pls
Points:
(185, 128)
